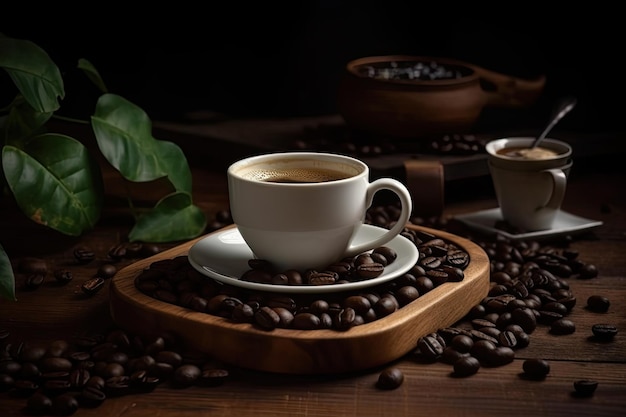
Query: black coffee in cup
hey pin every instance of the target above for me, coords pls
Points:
(527, 153)
(296, 175)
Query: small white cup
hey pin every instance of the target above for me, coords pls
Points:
(530, 192)
(306, 225)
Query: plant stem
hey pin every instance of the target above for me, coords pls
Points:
(70, 119)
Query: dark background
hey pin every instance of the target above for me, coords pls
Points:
(284, 59)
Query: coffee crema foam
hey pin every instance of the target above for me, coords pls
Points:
(294, 175)
(537, 153)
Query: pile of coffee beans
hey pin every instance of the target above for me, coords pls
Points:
(33, 272)
(529, 289)
(343, 140)
(368, 265)
(65, 375)
(175, 281)
(413, 71)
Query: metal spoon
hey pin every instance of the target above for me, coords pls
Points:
(563, 108)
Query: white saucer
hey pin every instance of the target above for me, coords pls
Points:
(224, 256)
(564, 224)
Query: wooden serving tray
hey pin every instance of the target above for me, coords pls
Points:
(302, 351)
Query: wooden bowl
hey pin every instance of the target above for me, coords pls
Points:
(302, 351)
(451, 102)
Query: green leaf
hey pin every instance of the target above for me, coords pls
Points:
(173, 218)
(92, 73)
(33, 72)
(124, 135)
(22, 123)
(55, 182)
(7, 279)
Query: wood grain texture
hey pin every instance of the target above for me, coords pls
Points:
(303, 351)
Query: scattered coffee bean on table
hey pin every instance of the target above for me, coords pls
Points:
(536, 368)
(604, 332)
(598, 303)
(585, 387)
(390, 378)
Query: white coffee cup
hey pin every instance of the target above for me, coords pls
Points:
(310, 222)
(530, 190)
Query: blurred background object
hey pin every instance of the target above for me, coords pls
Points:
(284, 59)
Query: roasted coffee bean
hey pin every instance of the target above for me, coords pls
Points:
(345, 319)
(379, 258)
(243, 313)
(466, 366)
(257, 275)
(282, 302)
(450, 355)
(106, 271)
(149, 249)
(64, 404)
(481, 349)
(280, 279)
(454, 274)
(478, 335)
(359, 303)
(548, 317)
(63, 276)
(525, 318)
(588, 271)
(213, 377)
(562, 327)
(389, 253)
(117, 252)
(306, 321)
(598, 303)
(430, 347)
(84, 255)
(55, 364)
(30, 353)
(430, 262)
(385, 306)
(481, 322)
(322, 278)
(370, 270)
(437, 276)
(407, 294)
(585, 387)
(92, 286)
(33, 281)
(340, 268)
(458, 258)
(604, 331)
(507, 339)
(266, 318)
(39, 404)
(117, 385)
(78, 377)
(167, 356)
(390, 378)
(186, 375)
(29, 371)
(462, 343)
(536, 368)
(55, 387)
(499, 356)
(91, 397)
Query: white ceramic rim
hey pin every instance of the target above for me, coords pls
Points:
(493, 146)
(360, 166)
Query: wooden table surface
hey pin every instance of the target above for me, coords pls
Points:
(54, 312)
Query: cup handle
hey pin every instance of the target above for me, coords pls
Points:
(558, 192)
(407, 206)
